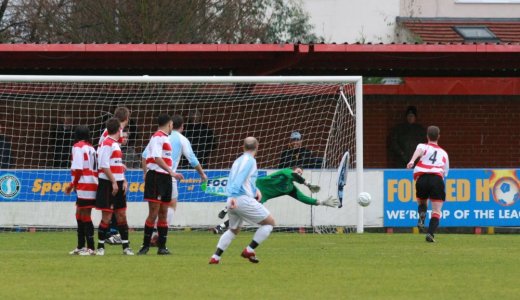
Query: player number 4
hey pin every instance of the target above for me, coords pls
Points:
(433, 157)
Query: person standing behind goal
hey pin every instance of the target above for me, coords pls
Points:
(244, 205)
(111, 192)
(429, 175)
(158, 184)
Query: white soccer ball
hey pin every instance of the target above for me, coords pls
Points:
(506, 191)
(364, 199)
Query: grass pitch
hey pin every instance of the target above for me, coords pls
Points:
(293, 266)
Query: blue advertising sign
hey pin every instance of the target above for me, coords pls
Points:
(49, 186)
(473, 198)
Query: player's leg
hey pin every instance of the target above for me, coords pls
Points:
(422, 192)
(154, 192)
(162, 229)
(257, 213)
(166, 191)
(122, 223)
(80, 233)
(122, 227)
(219, 229)
(172, 207)
(103, 229)
(88, 226)
(437, 197)
(113, 236)
(103, 203)
(235, 222)
(153, 211)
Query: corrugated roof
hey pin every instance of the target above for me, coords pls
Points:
(441, 29)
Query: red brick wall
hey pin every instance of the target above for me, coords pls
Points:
(476, 131)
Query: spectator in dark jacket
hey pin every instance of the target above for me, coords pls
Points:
(298, 156)
(406, 136)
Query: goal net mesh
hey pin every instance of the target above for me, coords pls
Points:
(38, 121)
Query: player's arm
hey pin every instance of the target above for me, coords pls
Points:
(419, 151)
(187, 151)
(296, 176)
(76, 168)
(104, 164)
(143, 162)
(156, 146)
(447, 166)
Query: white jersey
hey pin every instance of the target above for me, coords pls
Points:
(84, 159)
(242, 177)
(159, 146)
(180, 146)
(121, 140)
(433, 160)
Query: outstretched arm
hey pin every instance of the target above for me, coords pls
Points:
(298, 178)
(418, 153)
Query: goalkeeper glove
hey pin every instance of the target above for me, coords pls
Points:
(312, 187)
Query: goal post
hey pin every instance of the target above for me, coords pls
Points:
(38, 113)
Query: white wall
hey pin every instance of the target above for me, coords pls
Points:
(458, 9)
(353, 21)
(286, 211)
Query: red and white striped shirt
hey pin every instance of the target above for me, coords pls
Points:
(121, 140)
(84, 160)
(111, 157)
(159, 146)
(434, 160)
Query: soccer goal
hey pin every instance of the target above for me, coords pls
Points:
(322, 114)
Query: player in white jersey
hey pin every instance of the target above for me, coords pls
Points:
(180, 146)
(243, 204)
(429, 173)
(123, 115)
(85, 182)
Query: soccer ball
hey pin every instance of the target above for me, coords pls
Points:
(506, 191)
(364, 199)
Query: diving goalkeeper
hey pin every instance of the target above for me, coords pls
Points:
(280, 183)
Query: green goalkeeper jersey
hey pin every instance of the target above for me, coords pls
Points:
(278, 183)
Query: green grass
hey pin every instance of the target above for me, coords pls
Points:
(293, 266)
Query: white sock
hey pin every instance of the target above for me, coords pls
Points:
(223, 225)
(169, 217)
(225, 240)
(262, 233)
(215, 257)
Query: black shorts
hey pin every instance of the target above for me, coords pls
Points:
(85, 203)
(158, 187)
(105, 200)
(430, 186)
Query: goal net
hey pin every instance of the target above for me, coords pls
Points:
(321, 114)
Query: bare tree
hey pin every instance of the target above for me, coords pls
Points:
(147, 21)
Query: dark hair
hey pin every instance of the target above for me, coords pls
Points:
(177, 121)
(113, 125)
(122, 114)
(82, 133)
(433, 133)
(163, 119)
(411, 110)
